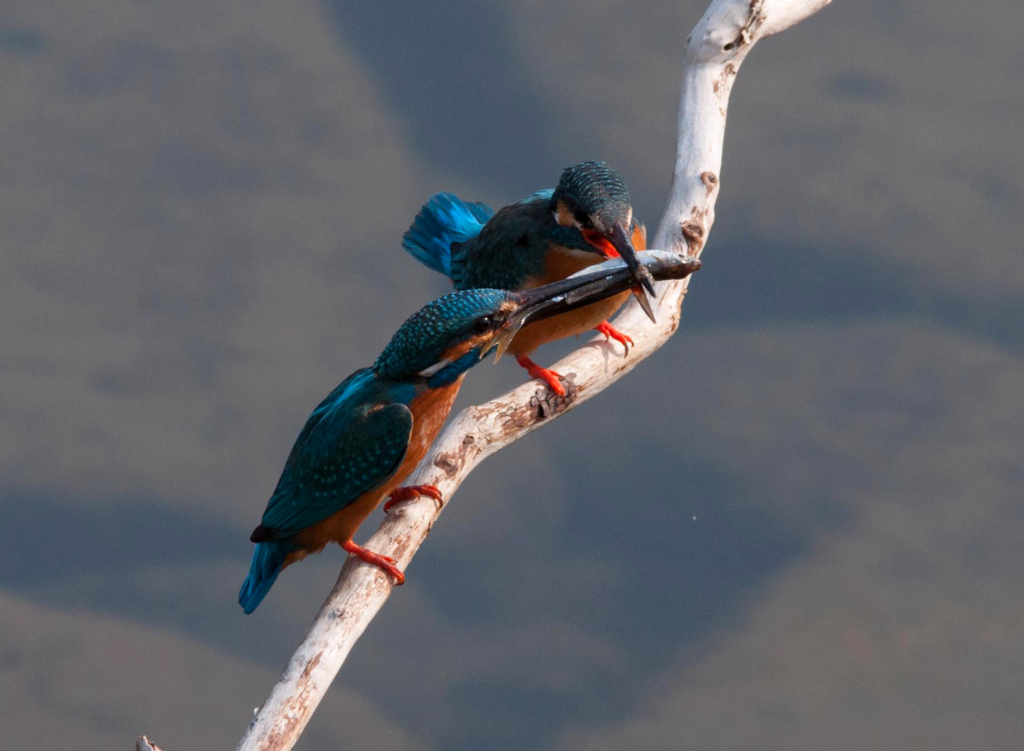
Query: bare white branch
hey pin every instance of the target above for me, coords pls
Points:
(145, 744)
(714, 51)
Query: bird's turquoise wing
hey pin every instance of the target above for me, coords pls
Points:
(340, 454)
(443, 221)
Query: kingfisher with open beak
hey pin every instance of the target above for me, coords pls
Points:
(365, 438)
(552, 234)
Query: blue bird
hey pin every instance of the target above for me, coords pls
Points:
(365, 438)
(546, 237)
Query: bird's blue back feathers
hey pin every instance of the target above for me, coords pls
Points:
(443, 220)
(267, 561)
(543, 195)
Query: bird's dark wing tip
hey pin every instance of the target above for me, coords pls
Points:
(261, 534)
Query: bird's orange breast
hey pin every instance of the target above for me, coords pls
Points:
(429, 411)
(559, 264)
(574, 322)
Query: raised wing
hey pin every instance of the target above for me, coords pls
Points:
(442, 222)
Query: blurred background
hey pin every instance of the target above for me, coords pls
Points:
(799, 525)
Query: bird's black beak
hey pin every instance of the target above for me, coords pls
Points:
(618, 243)
(592, 284)
(622, 243)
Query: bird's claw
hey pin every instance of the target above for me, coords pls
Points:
(409, 492)
(384, 562)
(610, 332)
(550, 377)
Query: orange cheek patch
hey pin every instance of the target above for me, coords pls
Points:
(457, 351)
(639, 237)
(600, 242)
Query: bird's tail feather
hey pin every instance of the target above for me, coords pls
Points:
(443, 220)
(267, 561)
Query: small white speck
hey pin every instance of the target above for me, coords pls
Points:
(694, 517)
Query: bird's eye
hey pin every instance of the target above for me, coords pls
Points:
(480, 325)
(581, 219)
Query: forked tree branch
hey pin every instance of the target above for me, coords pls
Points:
(714, 51)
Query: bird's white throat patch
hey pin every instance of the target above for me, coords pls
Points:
(439, 365)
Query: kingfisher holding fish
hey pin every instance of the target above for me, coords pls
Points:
(550, 235)
(372, 430)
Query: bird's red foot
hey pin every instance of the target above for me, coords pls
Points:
(550, 377)
(610, 332)
(385, 562)
(413, 491)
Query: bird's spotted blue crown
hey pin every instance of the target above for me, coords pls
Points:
(422, 339)
(593, 188)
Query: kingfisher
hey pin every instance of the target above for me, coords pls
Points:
(368, 434)
(548, 236)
